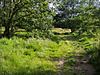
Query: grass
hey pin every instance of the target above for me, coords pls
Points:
(32, 56)
(61, 31)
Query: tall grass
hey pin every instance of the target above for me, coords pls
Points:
(92, 47)
(32, 56)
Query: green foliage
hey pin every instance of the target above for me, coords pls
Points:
(92, 47)
(36, 56)
(78, 15)
(30, 15)
(90, 19)
(32, 56)
(96, 52)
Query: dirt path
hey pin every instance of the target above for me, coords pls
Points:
(60, 66)
(82, 66)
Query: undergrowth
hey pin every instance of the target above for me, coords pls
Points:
(92, 48)
(32, 56)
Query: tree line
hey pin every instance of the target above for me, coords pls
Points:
(36, 16)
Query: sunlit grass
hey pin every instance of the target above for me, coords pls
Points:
(32, 56)
(60, 30)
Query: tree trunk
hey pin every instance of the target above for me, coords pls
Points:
(7, 31)
(12, 31)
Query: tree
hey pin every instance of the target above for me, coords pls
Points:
(27, 14)
(72, 10)
(67, 17)
(90, 19)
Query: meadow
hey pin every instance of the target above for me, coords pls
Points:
(31, 56)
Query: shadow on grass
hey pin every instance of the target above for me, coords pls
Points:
(22, 35)
(72, 37)
(29, 72)
(1, 35)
